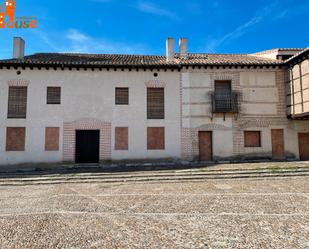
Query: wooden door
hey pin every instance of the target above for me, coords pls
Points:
(87, 146)
(205, 145)
(303, 141)
(277, 141)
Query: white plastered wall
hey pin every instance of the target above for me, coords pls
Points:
(90, 94)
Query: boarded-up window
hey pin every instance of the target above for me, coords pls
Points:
(155, 138)
(121, 138)
(122, 96)
(155, 103)
(53, 95)
(15, 138)
(252, 138)
(52, 139)
(17, 106)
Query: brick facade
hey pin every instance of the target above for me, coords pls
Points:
(240, 121)
(18, 82)
(69, 133)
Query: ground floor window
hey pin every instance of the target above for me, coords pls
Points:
(155, 138)
(15, 138)
(121, 138)
(52, 139)
(252, 138)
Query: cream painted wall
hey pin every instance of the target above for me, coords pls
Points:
(291, 136)
(257, 79)
(222, 143)
(260, 94)
(260, 98)
(88, 94)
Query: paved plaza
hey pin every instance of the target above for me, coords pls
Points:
(248, 213)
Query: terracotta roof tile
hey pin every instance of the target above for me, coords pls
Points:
(138, 60)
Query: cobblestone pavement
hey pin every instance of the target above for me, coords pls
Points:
(270, 213)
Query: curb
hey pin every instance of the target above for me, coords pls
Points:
(149, 178)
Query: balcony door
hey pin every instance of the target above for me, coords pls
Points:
(223, 95)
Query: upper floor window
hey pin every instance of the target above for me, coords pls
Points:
(17, 104)
(223, 99)
(155, 103)
(122, 96)
(54, 95)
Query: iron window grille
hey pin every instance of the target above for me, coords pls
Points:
(224, 102)
(53, 95)
(155, 103)
(17, 102)
(122, 96)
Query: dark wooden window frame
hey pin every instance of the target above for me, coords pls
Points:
(155, 103)
(247, 144)
(122, 96)
(17, 102)
(53, 95)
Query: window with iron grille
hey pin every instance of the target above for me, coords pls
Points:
(53, 95)
(223, 96)
(17, 106)
(155, 103)
(122, 96)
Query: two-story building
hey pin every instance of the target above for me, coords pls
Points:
(88, 108)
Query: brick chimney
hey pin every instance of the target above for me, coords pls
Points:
(18, 48)
(170, 49)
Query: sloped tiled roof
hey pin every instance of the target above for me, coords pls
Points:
(274, 50)
(69, 59)
(227, 59)
(297, 56)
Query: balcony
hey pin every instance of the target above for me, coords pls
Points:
(224, 102)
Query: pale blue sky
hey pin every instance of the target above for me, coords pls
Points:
(141, 26)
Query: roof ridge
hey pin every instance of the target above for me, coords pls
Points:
(93, 54)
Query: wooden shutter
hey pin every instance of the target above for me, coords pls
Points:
(53, 95)
(122, 96)
(17, 106)
(223, 85)
(52, 139)
(155, 103)
(252, 138)
(155, 138)
(121, 138)
(15, 138)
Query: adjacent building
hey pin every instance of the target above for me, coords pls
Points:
(90, 108)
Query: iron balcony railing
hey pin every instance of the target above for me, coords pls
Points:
(224, 102)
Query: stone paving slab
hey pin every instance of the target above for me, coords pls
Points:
(270, 213)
